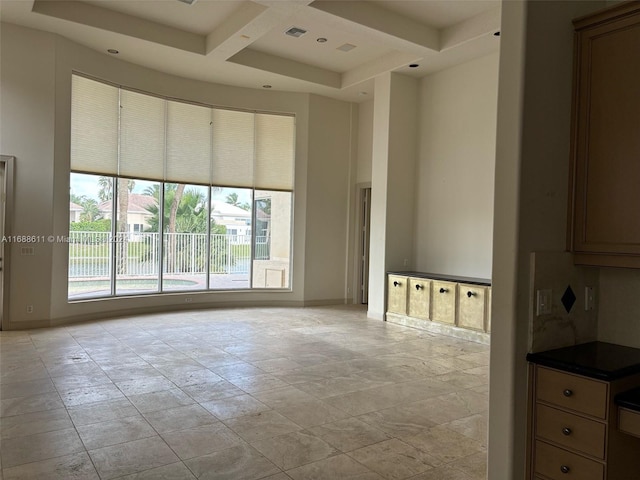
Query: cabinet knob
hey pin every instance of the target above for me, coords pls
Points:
(566, 431)
(418, 286)
(471, 294)
(567, 392)
(443, 290)
(396, 284)
(565, 469)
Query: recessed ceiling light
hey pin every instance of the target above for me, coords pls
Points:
(188, 2)
(362, 94)
(266, 86)
(346, 47)
(414, 65)
(321, 40)
(246, 37)
(113, 51)
(295, 32)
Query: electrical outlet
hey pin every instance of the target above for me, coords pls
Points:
(589, 298)
(406, 262)
(29, 308)
(543, 302)
(188, 299)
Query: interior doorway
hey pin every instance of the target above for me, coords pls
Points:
(363, 244)
(6, 183)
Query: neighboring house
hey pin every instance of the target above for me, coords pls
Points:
(235, 219)
(138, 213)
(75, 211)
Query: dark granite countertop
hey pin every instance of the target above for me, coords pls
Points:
(599, 360)
(447, 278)
(629, 399)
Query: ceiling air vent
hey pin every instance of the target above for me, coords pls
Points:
(347, 47)
(295, 32)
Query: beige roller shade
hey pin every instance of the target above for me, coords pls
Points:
(94, 126)
(142, 135)
(188, 143)
(275, 152)
(233, 148)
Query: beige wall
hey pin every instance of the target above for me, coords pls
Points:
(454, 196)
(328, 194)
(365, 141)
(35, 127)
(531, 183)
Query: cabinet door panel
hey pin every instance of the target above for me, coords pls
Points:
(397, 294)
(443, 302)
(419, 298)
(471, 306)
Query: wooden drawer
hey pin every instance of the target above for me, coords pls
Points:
(419, 298)
(443, 302)
(397, 294)
(573, 392)
(629, 421)
(559, 464)
(570, 431)
(472, 306)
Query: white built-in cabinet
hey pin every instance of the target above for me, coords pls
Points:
(459, 306)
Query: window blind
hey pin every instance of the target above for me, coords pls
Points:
(120, 132)
(188, 143)
(274, 152)
(233, 148)
(142, 136)
(94, 126)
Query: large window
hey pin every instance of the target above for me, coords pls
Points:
(170, 196)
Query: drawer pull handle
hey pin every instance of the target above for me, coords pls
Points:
(396, 284)
(567, 392)
(418, 287)
(443, 290)
(566, 431)
(471, 294)
(565, 469)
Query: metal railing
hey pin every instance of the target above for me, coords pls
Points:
(90, 253)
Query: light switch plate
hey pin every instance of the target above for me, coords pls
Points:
(589, 298)
(543, 302)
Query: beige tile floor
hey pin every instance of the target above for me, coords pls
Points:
(242, 394)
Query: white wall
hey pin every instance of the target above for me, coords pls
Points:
(35, 127)
(531, 188)
(328, 194)
(365, 141)
(455, 174)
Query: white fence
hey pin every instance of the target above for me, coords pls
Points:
(136, 254)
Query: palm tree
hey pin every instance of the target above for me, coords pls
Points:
(232, 199)
(90, 211)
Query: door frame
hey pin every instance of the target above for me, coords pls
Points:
(6, 204)
(360, 279)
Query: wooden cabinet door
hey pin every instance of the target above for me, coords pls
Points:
(606, 141)
(443, 302)
(419, 298)
(397, 294)
(472, 306)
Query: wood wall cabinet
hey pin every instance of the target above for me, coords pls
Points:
(573, 417)
(604, 225)
(459, 306)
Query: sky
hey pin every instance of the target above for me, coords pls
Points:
(87, 185)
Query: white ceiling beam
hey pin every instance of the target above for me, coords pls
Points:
(290, 68)
(243, 27)
(483, 24)
(378, 66)
(105, 19)
(398, 31)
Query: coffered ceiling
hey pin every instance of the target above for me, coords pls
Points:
(344, 44)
